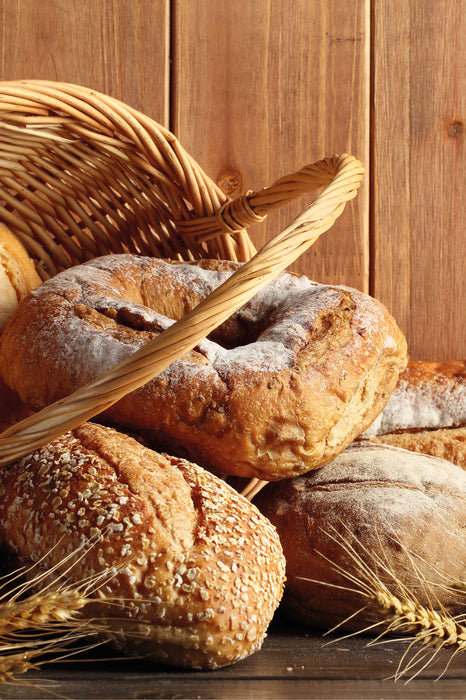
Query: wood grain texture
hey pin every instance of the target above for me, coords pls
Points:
(119, 47)
(418, 173)
(293, 663)
(263, 88)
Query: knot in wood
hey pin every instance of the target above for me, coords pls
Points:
(455, 129)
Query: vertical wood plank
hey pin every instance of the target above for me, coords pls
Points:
(418, 173)
(119, 47)
(263, 88)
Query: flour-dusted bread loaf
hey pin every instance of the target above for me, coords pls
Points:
(18, 275)
(195, 563)
(373, 510)
(427, 411)
(282, 387)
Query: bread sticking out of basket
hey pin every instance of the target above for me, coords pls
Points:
(84, 175)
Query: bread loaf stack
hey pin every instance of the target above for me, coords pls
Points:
(387, 515)
(202, 568)
(191, 572)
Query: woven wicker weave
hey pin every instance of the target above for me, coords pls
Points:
(82, 174)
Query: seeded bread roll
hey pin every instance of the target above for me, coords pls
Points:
(18, 275)
(377, 513)
(197, 564)
(426, 412)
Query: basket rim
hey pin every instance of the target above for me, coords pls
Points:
(39, 108)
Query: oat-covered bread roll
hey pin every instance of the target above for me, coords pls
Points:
(18, 275)
(427, 411)
(392, 509)
(197, 564)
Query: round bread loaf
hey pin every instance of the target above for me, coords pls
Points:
(196, 564)
(18, 275)
(376, 515)
(282, 387)
(427, 411)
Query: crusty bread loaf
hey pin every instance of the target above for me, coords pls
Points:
(283, 386)
(196, 564)
(397, 511)
(427, 411)
(18, 275)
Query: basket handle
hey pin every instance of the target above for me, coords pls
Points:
(253, 207)
(277, 254)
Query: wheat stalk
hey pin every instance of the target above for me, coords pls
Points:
(429, 628)
(41, 613)
(40, 619)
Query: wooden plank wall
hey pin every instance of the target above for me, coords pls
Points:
(418, 178)
(255, 90)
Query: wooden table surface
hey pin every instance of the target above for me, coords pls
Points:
(293, 663)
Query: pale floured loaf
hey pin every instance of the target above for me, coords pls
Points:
(375, 513)
(427, 411)
(282, 387)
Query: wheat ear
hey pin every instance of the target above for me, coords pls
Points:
(429, 627)
(41, 613)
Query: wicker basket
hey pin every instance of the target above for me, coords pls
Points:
(82, 174)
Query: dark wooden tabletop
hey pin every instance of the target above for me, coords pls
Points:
(293, 663)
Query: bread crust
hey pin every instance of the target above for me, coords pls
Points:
(200, 569)
(428, 395)
(285, 385)
(447, 443)
(18, 275)
(427, 411)
(403, 514)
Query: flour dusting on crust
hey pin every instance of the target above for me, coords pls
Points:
(428, 395)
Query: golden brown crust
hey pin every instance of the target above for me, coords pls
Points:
(447, 443)
(18, 275)
(422, 372)
(396, 510)
(285, 385)
(201, 569)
